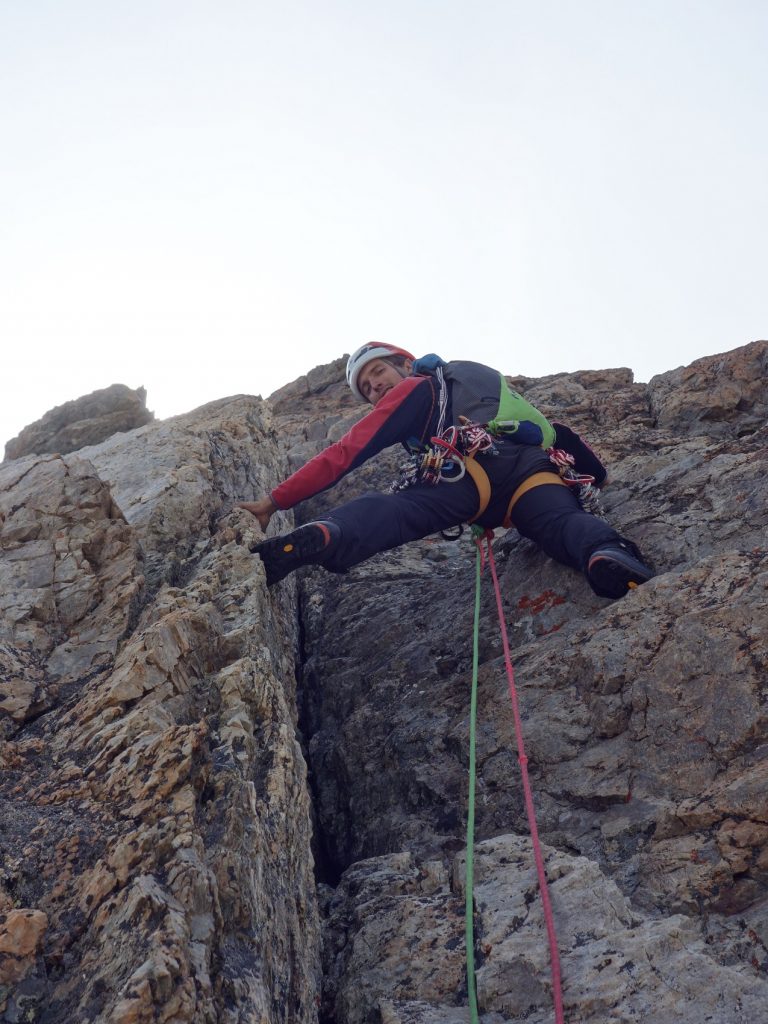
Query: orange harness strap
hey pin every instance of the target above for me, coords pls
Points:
(482, 483)
(537, 480)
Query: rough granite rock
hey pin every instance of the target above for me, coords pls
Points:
(718, 396)
(398, 931)
(157, 763)
(154, 815)
(87, 420)
(644, 722)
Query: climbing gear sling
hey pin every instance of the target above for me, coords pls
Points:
(557, 995)
(584, 484)
(481, 394)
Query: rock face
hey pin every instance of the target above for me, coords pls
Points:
(154, 818)
(161, 772)
(88, 420)
(718, 396)
(644, 719)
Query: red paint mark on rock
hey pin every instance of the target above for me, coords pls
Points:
(542, 603)
(552, 629)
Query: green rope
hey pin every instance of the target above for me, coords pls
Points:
(469, 906)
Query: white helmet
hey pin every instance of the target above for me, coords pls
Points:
(363, 355)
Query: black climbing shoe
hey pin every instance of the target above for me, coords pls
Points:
(307, 545)
(613, 570)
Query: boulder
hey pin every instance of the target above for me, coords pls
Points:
(87, 420)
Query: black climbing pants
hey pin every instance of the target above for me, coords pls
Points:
(550, 515)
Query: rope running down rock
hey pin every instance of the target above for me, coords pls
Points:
(557, 994)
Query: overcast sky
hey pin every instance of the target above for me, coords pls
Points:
(212, 198)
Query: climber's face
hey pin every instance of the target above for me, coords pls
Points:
(380, 376)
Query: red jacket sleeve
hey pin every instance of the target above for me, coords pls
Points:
(405, 413)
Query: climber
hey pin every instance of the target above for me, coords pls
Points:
(496, 474)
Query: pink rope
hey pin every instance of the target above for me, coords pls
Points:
(557, 991)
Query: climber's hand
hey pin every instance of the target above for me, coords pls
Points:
(263, 510)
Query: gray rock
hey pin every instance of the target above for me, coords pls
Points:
(156, 760)
(644, 719)
(718, 396)
(84, 421)
(153, 790)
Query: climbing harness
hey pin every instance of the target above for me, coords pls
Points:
(452, 454)
(582, 484)
(557, 995)
(536, 480)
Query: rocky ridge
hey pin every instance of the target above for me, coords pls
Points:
(157, 803)
(87, 420)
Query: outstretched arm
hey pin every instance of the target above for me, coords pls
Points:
(403, 413)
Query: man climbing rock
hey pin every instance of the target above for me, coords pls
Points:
(478, 453)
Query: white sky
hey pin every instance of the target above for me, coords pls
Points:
(210, 198)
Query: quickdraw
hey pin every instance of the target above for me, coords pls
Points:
(584, 485)
(445, 460)
(474, 437)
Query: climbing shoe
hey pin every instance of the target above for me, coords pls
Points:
(307, 545)
(613, 570)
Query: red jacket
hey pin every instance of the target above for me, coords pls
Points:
(407, 414)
